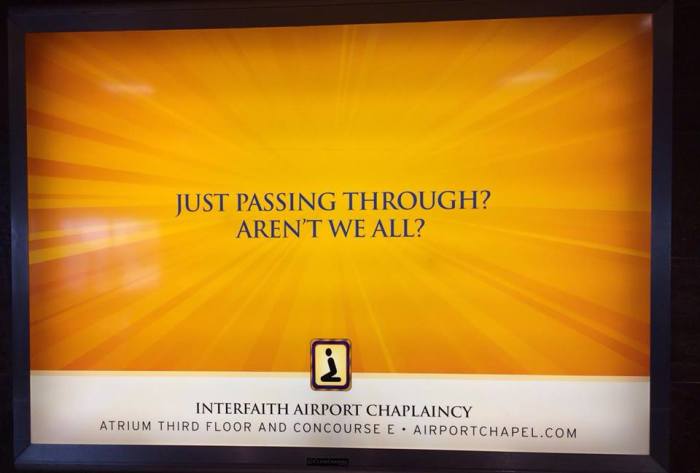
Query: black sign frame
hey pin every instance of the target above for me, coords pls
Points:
(247, 13)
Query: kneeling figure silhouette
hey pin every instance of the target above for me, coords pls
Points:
(330, 377)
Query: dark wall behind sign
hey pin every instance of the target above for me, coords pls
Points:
(685, 285)
(685, 251)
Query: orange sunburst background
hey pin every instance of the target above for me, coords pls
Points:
(553, 115)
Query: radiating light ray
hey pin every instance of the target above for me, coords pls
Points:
(372, 319)
(616, 340)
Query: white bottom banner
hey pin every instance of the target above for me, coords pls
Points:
(556, 414)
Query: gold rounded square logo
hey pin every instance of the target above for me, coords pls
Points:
(330, 364)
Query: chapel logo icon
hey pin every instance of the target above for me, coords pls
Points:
(330, 364)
